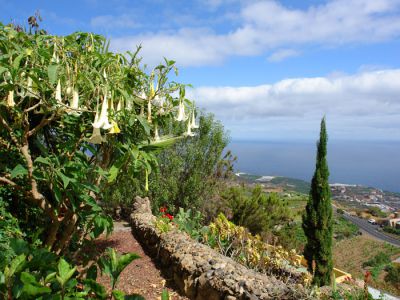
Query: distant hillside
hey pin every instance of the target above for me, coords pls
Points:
(285, 183)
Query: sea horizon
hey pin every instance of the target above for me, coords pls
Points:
(367, 163)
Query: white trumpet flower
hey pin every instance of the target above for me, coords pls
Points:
(55, 58)
(181, 112)
(96, 137)
(156, 135)
(102, 120)
(189, 130)
(119, 105)
(75, 99)
(10, 99)
(129, 105)
(149, 111)
(193, 122)
(58, 91)
(159, 101)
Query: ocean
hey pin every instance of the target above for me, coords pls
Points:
(374, 164)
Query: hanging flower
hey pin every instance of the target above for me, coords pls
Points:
(69, 90)
(147, 181)
(114, 129)
(75, 99)
(149, 111)
(96, 137)
(156, 136)
(10, 99)
(193, 122)
(29, 91)
(181, 112)
(102, 120)
(58, 92)
(160, 102)
(55, 58)
(119, 105)
(189, 130)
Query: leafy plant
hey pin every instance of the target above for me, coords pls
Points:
(113, 264)
(238, 243)
(74, 118)
(36, 272)
(190, 222)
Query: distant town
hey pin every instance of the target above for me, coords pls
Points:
(367, 196)
(355, 195)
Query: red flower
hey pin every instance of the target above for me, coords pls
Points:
(163, 209)
(169, 216)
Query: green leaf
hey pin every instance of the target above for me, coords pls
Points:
(31, 287)
(112, 174)
(118, 295)
(2, 70)
(65, 272)
(50, 277)
(144, 124)
(17, 61)
(165, 295)
(65, 179)
(96, 288)
(16, 265)
(19, 170)
(43, 160)
(52, 73)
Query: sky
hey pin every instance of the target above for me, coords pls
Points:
(269, 70)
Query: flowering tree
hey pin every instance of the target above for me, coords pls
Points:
(73, 116)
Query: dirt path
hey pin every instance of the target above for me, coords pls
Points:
(141, 276)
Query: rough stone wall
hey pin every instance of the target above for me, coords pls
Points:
(199, 271)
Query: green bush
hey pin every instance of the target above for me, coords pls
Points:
(393, 275)
(255, 210)
(378, 260)
(36, 273)
(191, 170)
(392, 230)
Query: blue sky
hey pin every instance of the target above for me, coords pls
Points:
(269, 70)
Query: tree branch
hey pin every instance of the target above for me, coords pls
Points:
(42, 123)
(10, 131)
(9, 182)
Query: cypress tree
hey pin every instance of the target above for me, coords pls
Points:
(317, 220)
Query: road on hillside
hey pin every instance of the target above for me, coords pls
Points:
(372, 230)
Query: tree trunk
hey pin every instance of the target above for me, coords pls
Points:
(66, 236)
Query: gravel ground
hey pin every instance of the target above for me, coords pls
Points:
(141, 276)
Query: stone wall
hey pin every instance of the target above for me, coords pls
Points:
(199, 271)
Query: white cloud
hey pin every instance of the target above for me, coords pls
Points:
(368, 102)
(282, 54)
(268, 26)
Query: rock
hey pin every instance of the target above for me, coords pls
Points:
(199, 271)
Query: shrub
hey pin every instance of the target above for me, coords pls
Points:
(72, 124)
(393, 275)
(256, 210)
(238, 243)
(378, 260)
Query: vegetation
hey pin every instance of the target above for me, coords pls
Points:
(75, 119)
(392, 230)
(352, 253)
(190, 171)
(393, 275)
(254, 209)
(317, 220)
(36, 273)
